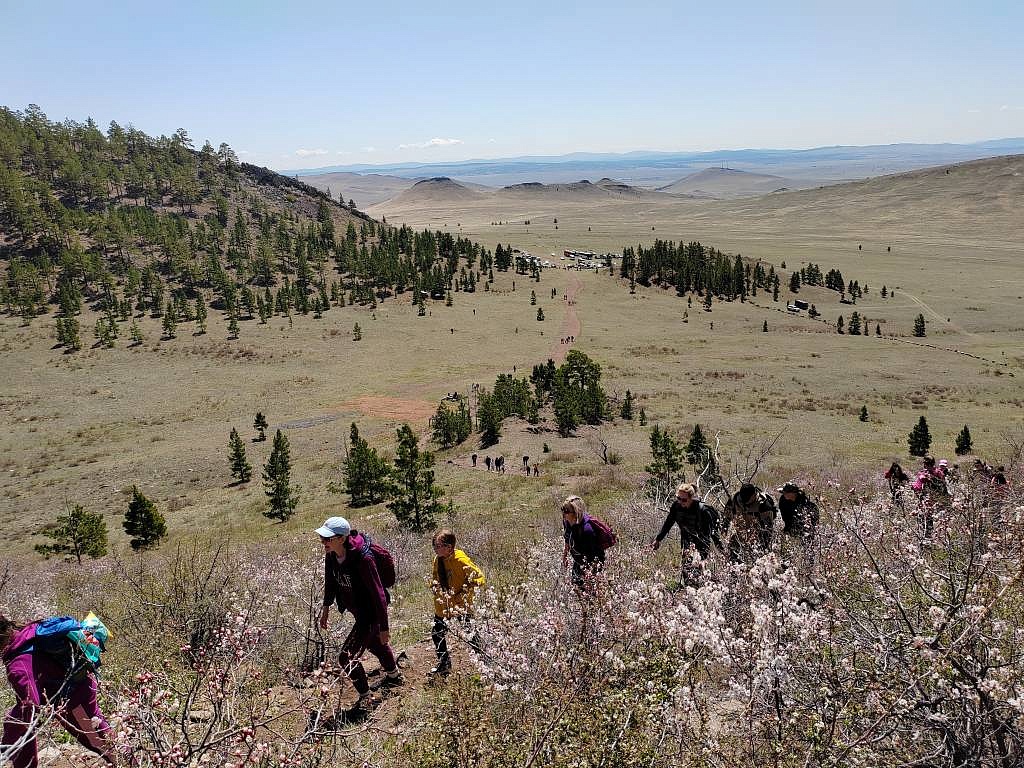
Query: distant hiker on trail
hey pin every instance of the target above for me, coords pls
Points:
(54, 662)
(473, 457)
(487, 463)
(697, 521)
(751, 516)
(536, 470)
(454, 583)
(800, 515)
(499, 464)
(526, 464)
(586, 539)
(353, 581)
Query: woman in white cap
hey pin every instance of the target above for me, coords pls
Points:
(351, 580)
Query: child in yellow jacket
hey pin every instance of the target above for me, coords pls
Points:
(455, 580)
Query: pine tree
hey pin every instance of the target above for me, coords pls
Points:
(533, 298)
(415, 497)
(143, 522)
(794, 283)
(240, 466)
(643, 418)
(233, 326)
(863, 413)
(919, 330)
(170, 323)
(364, 471)
(627, 407)
(839, 325)
(136, 334)
(854, 327)
(540, 314)
(277, 481)
(78, 533)
(764, 327)
(201, 315)
(488, 418)
(260, 425)
(666, 456)
(357, 333)
(920, 439)
(964, 444)
(697, 451)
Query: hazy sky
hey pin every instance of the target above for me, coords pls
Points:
(313, 84)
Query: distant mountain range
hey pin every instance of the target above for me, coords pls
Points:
(658, 169)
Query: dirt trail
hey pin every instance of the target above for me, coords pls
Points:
(937, 316)
(571, 321)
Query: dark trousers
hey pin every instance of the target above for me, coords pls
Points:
(364, 638)
(439, 634)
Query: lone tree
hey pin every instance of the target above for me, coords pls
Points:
(627, 407)
(415, 497)
(260, 425)
(698, 452)
(964, 444)
(540, 313)
(77, 533)
(863, 413)
(451, 427)
(357, 333)
(240, 466)
(143, 522)
(920, 439)
(666, 456)
(365, 472)
(643, 417)
(577, 394)
(277, 481)
(919, 330)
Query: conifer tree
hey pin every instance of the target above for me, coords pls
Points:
(136, 334)
(415, 497)
(240, 466)
(698, 452)
(794, 283)
(364, 471)
(919, 329)
(77, 533)
(643, 417)
(964, 444)
(488, 418)
(540, 314)
(233, 326)
(357, 333)
(201, 315)
(170, 323)
(260, 425)
(764, 327)
(143, 522)
(920, 439)
(854, 327)
(277, 481)
(666, 456)
(839, 325)
(863, 413)
(627, 406)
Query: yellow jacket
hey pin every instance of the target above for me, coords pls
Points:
(463, 578)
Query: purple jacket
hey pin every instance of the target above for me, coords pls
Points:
(20, 639)
(354, 584)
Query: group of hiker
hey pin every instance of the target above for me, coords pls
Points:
(55, 661)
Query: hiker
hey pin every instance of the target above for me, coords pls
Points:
(54, 662)
(586, 540)
(473, 457)
(897, 478)
(352, 580)
(751, 515)
(454, 583)
(526, 464)
(536, 470)
(697, 521)
(800, 515)
(487, 463)
(499, 464)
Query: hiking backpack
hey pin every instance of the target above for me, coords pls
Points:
(56, 638)
(384, 561)
(606, 536)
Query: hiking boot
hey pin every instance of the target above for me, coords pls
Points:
(367, 702)
(439, 672)
(391, 680)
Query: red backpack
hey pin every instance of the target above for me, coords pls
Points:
(606, 536)
(385, 562)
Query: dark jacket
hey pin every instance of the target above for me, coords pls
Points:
(696, 526)
(354, 584)
(752, 522)
(800, 516)
(584, 546)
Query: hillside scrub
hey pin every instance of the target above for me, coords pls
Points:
(874, 646)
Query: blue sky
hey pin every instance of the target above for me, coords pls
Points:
(315, 84)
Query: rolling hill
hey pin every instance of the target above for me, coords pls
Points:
(727, 183)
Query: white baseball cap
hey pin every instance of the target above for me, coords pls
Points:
(334, 526)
